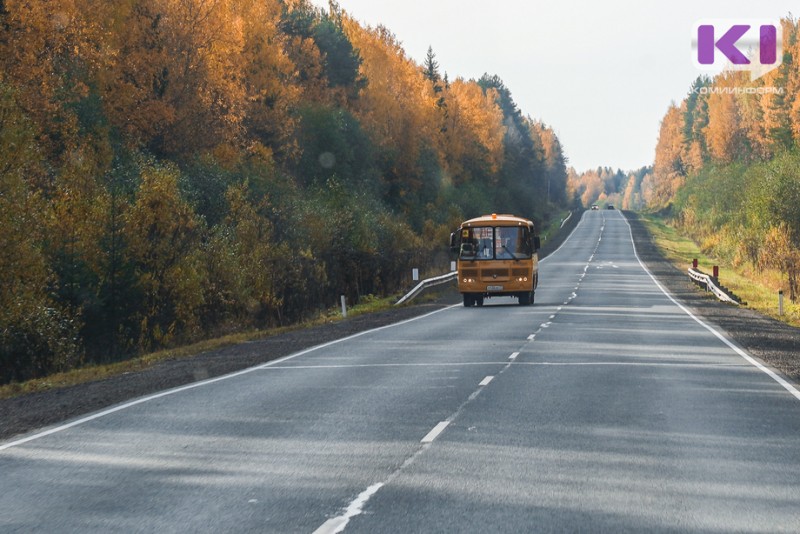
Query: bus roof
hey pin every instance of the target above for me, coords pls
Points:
(497, 220)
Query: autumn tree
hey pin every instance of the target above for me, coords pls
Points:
(473, 133)
(244, 266)
(327, 63)
(695, 119)
(780, 251)
(554, 159)
(669, 169)
(593, 187)
(36, 334)
(163, 235)
(776, 107)
(399, 112)
(45, 48)
(724, 135)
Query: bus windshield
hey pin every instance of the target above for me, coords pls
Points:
(495, 243)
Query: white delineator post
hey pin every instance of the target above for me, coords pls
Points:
(780, 302)
(344, 308)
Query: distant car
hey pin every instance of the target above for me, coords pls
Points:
(610, 207)
(595, 207)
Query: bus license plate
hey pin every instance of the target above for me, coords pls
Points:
(494, 288)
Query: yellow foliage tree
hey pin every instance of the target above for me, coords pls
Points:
(474, 130)
(163, 234)
(397, 106)
(669, 169)
(43, 46)
(36, 335)
(724, 134)
(778, 251)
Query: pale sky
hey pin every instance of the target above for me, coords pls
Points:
(602, 74)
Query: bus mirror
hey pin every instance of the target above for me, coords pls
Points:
(453, 244)
(537, 244)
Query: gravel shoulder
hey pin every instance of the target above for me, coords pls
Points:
(776, 344)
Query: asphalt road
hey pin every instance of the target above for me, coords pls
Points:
(603, 407)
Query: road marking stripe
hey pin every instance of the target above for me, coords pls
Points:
(485, 381)
(337, 524)
(636, 364)
(565, 241)
(369, 365)
(769, 372)
(513, 356)
(530, 337)
(187, 387)
(433, 434)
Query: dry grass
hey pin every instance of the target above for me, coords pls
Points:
(758, 289)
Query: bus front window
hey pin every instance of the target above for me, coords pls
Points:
(495, 243)
(477, 244)
(512, 243)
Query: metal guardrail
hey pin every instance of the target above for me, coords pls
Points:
(711, 285)
(430, 282)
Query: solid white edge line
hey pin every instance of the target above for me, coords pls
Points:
(769, 372)
(434, 433)
(565, 241)
(193, 385)
(485, 381)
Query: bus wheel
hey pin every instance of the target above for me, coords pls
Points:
(469, 300)
(525, 299)
(479, 300)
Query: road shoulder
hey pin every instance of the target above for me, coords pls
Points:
(776, 344)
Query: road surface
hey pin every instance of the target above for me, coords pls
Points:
(603, 407)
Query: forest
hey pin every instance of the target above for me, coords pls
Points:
(727, 166)
(173, 170)
(726, 169)
(606, 186)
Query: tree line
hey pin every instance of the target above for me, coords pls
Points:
(726, 165)
(177, 169)
(605, 186)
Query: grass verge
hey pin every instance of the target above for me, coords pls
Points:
(759, 290)
(90, 373)
(550, 231)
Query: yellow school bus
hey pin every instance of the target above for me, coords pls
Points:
(497, 256)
